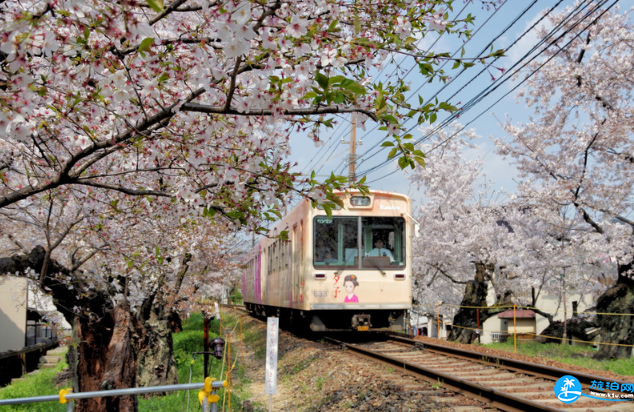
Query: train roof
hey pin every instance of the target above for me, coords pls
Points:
(278, 225)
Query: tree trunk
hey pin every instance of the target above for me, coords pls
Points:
(156, 364)
(475, 295)
(105, 359)
(616, 329)
(102, 356)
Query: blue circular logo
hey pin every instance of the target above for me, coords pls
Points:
(568, 389)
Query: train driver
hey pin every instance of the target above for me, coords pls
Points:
(380, 250)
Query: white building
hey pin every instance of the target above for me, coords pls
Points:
(26, 315)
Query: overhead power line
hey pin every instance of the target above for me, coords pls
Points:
(488, 90)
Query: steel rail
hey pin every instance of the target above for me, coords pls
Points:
(496, 398)
(534, 369)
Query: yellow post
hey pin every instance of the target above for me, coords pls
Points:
(514, 330)
(241, 342)
(230, 367)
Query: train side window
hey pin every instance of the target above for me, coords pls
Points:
(270, 252)
(351, 253)
(333, 239)
(282, 247)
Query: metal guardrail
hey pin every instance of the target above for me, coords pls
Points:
(206, 396)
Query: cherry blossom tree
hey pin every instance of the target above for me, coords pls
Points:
(477, 244)
(180, 113)
(464, 234)
(121, 301)
(197, 100)
(576, 153)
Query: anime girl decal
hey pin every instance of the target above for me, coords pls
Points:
(349, 283)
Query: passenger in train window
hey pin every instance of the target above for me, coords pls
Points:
(328, 258)
(321, 250)
(380, 250)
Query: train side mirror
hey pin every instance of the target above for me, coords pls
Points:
(416, 230)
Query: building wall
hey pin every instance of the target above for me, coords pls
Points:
(547, 303)
(13, 295)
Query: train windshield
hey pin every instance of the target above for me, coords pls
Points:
(340, 241)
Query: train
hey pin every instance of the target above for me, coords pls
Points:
(348, 271)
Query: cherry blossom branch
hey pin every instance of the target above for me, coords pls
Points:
(122, 189)
(78, 263)
(447, 275)
(232, 83)
(172, 7)
(195, 107)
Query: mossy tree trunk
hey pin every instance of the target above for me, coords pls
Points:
(617, 330)
(475, 296)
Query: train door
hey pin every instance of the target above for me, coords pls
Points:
(297, 278)
(258, 277)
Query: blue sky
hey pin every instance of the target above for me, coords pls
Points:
(484, 116)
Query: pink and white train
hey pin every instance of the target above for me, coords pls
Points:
(348, 272)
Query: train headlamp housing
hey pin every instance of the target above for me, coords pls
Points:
(360, 201)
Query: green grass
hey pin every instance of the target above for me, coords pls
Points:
(38, 383)
(187, 342)
(42, 383)
(572, 355)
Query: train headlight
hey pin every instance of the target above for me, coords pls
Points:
(360, 201)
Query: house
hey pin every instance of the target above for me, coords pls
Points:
(13, 313)
(29, 324)
(521, 322)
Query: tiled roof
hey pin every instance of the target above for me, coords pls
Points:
(519, 313)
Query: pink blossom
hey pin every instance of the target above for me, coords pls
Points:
(436, 21)
(403, 27)
(297, 27)
(235, 47)
(242, 14)
(319, 196)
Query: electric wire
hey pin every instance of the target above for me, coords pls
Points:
(376, 126)
(484, 68)
(439, 144)
(508, 75)
(328, 143)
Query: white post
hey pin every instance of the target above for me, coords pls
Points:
(270, 383)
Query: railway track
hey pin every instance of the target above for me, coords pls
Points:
(502, 383)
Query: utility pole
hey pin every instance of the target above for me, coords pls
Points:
(352, 158)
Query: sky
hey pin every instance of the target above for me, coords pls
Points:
(509, 28)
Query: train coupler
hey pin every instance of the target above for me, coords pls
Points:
(361, 322)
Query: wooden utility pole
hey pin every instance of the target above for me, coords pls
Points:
(352, 175)
(352, 158)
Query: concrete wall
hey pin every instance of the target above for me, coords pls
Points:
(13, 296)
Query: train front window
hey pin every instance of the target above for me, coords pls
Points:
(335, 241)
(383, 242)
(339, 241)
